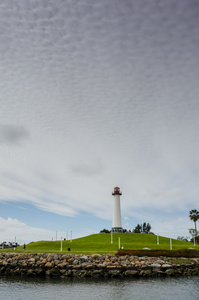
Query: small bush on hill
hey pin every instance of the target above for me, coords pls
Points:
(143, 228)
(105, 231)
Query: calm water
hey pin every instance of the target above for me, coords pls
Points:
(160, 289)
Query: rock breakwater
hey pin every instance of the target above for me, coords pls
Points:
(95, 265)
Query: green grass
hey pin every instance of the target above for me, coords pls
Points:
(101, 243)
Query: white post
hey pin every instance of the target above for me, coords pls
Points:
(170, 244)
(61, 244)
(71, 236)
(157, 239)
(111, 237)
(119, 242)
(56, 235)
(67, 236)
(14, 245)
(15, 240)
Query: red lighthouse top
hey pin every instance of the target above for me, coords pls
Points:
(116, 191)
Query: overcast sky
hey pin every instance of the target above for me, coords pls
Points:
(96, 94)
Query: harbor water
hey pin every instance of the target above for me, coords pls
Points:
(73, 288)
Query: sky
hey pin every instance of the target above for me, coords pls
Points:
(93, 95)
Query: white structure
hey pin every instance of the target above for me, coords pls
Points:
(117, 222)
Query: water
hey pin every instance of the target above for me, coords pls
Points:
(48, 289)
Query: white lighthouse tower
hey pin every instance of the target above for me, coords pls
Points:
(117, 223)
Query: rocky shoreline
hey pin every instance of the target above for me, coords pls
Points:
(95, 265)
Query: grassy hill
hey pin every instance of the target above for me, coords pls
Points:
(101, 243)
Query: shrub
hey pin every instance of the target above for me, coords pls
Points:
(104, 231)
(188, 253)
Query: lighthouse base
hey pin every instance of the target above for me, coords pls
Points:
(117, 229)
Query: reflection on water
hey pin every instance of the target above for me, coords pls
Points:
(160, 289)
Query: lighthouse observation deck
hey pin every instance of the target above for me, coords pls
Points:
(116, 191)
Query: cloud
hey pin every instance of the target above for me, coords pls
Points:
(166, 194)
(11, 228)
(13, 134)
(108, 97)
(91, 169)
(58, 208)
(172, 227)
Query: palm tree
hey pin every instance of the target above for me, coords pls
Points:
(194, 216)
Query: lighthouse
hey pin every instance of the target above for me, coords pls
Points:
(117, 223)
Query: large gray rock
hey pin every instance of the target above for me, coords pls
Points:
(84, 258)
(145, 273)
(131, 273)
(166, 266)
(170, 272)
(156, 266)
